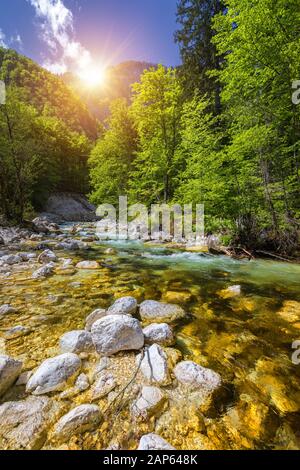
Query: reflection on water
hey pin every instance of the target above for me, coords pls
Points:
(245, 334)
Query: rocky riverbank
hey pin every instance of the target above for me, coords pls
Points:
(115, 367)
(100, 354)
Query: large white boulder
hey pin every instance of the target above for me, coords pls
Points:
(54, 374)
(123, 306)
(154, 365)
(114, 333)
(77, 341)
(154, 442)
(160, 312)
(79, 420)
(10, 370)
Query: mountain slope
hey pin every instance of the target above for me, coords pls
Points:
(46, 92)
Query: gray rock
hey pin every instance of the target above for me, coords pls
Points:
(67, 263)
(27, 256)
(17, 331)
(197, 377)
(47, 256)
(81, 419)
(150, 402)
(11, 259)
(76, 342)
(93, 317)
(103, 386)
(159, 333)
(88, 265)
(70, 207)
(53, 374)
(24, 377)
(44, 271)
(154, 442)
(110, 251)
(103, 364)
(123, 306)
(43, 225)
(160, 312)
(6, 309)
(24, 424)
(10, 370)
(72, 245)
(114, 333)
(82, 383)
(154, 365)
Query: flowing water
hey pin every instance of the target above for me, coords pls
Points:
(245, 336)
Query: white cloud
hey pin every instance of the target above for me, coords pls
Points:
(2, 39)
(16, 40)
(57, 31)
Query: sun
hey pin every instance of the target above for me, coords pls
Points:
(92, 76)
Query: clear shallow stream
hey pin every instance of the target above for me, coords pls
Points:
(246, 338)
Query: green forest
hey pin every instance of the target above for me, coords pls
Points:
(221, 129)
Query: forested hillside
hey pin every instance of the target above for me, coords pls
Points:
(46, 134)
(222, 130)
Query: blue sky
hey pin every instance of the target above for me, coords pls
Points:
(66, 34)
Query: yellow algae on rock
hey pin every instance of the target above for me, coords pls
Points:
(177, 297)
(290, 311)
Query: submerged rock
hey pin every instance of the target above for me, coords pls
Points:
(123, 306)
(53, 374)
(79, 420)
(151, 310)
(154, 365)
(76, 342)
(290, 311)
(88, 265)
(44, 271)
(72, 245)
(159, 333)
(150, 402)
(93, 317)
(16, 332)
(10, 370)
(230, 292)
(24, 424)
(110, 251)
(195, 376)
(177, 296)
(6, 309)
(114, 333)
(154, 442)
